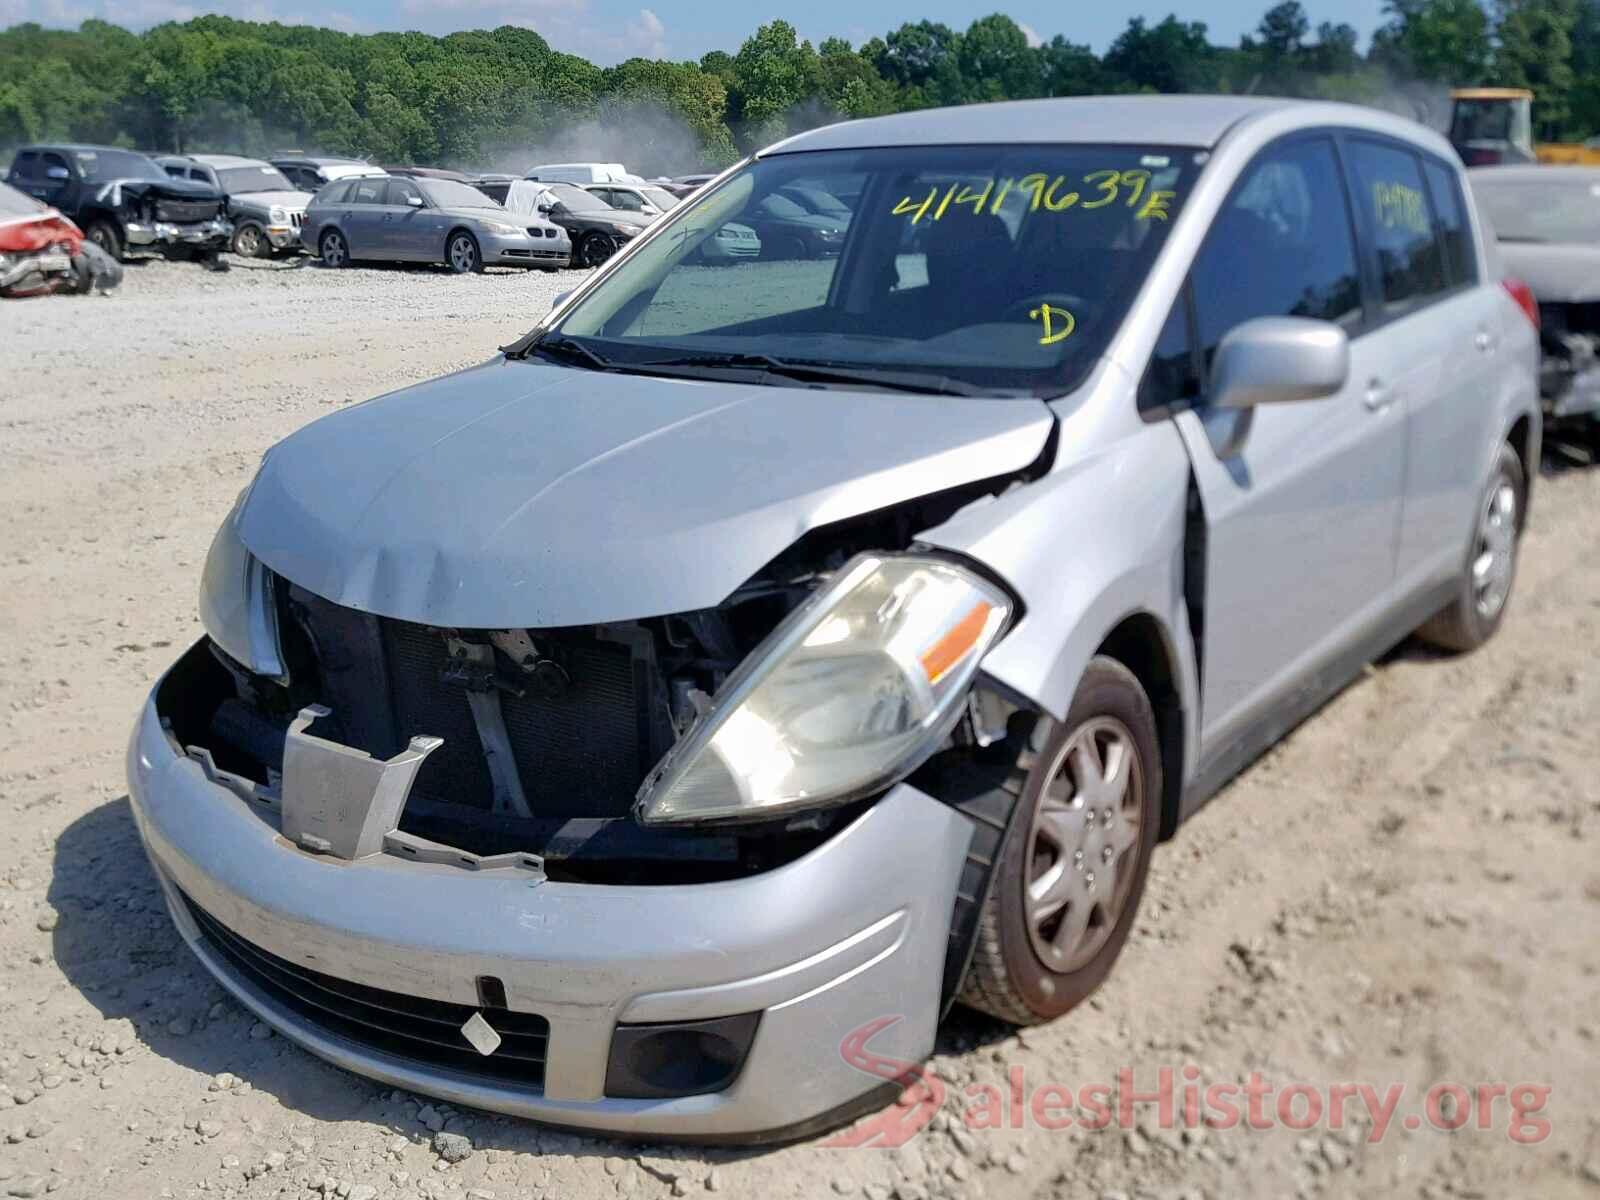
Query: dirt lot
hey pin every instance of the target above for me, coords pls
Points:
(1406, 892)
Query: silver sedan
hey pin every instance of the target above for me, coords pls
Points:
(427, 221)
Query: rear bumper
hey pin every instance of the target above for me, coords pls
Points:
(853, 931)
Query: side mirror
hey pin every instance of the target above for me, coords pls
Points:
(58, 174)
(1277, 360)
(414, 201)
(559, 297)
(545, 209)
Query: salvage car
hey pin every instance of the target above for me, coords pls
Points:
(596, 228)
(1547, 219)
(643, 198)
(425, 221)
(265, 208)
(41, 251)
(655, 728)
(122, 200)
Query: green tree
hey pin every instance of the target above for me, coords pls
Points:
(1442, 40)
(1534, 50)
(1173, 56)
(996, 62)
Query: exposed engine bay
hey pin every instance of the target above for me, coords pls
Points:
(547, 734)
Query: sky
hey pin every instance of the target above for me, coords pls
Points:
(608, 31)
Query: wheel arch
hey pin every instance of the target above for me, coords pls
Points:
(1143, 644)
(1524, 437)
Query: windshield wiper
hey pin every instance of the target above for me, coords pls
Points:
(820, 372)
(570, 351)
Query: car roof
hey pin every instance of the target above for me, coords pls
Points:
(1535, 173)
(1198, 121)
(76, 146)
(228, 160)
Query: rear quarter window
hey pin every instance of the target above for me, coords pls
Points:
(1449, 213)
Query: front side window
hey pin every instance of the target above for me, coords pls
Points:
(103, 166)
(1003, 268)
(403, 192)
(1394, 204)
(1282, 246)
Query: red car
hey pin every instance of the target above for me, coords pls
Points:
(42, 251)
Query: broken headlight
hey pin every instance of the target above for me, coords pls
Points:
(854, 689)
(236, 601)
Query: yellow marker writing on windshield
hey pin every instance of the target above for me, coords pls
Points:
(1048, 315)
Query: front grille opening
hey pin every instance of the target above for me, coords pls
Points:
(392, 1023)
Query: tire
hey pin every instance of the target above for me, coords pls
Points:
(1026, 970)
(596, 248)
(1490, 568)
(1594, 441)
(333, 249)
(461, 253)
(250, 242)
(107, 236)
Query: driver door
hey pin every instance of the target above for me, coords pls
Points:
(1302, 516)
(407, 228)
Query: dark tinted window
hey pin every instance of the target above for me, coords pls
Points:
(1281, 247)
(26, 165)
(367, 191)
(1394, 204)
(1450, 216)
(403, 192)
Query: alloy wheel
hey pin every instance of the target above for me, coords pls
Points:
(463, 254)
(333, 250)
(597, 247)
(1495, 555)
(1083, 843)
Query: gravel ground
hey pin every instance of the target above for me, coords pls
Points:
(1406, 891)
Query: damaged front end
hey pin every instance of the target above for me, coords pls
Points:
(601, 753)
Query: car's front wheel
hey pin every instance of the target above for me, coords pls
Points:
(1073, 865)
(1484, 585)
(249, 242)
(105, 235)
(335, 251)
(596, 248)
(462, 254)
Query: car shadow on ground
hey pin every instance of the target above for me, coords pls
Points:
(117, 945)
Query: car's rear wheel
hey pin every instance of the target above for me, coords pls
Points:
(596, 248)
(462, 254)
(335, 251)
(1073, 865)
(248, 242)
(105, 235)
(1484, 586)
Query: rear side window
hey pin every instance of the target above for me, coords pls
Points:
(1449, 214)
(1281, 247)
(367, 191)
(335, 192)
(1394, 205)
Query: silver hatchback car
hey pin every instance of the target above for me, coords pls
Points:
(754, 661)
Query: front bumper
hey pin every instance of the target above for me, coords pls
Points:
(166, 233)
(282, 237)
(855, 930)
(520, 250)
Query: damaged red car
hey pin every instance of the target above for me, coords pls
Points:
(42, 251)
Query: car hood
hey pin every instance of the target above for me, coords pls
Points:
(1565, 273)
(516, 494)
(170, 188)
(291, 199)
(620, 215)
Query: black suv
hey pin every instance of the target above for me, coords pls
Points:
(121, 199)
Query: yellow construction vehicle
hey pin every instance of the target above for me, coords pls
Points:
(1491, 125)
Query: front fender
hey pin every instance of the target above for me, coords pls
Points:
(1094, 542)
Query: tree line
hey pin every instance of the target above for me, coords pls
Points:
(215, 83)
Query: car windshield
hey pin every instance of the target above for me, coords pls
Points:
(447, 193)
(660, 198)
(1546, 210)
(1002, 268)
(102, 166)
(575, 199)
(238, 180)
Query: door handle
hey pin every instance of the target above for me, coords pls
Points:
(1377, 397)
